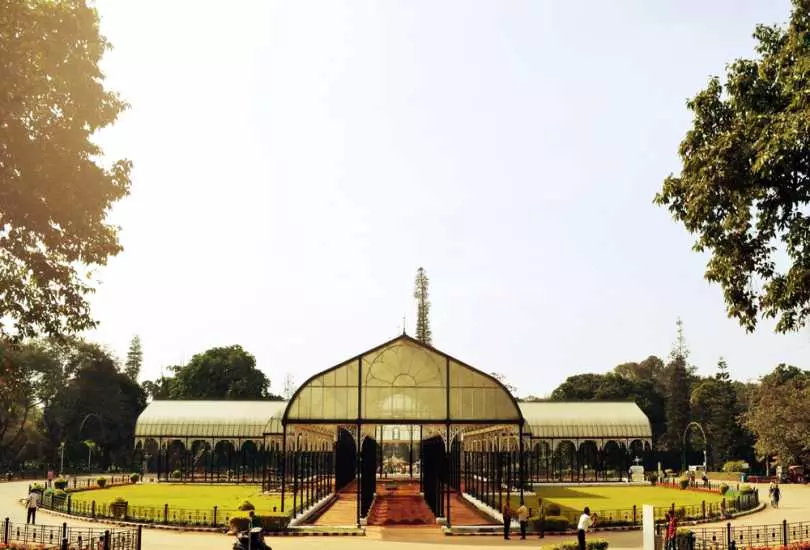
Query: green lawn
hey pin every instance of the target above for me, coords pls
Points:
(226, 498)
(613, 501)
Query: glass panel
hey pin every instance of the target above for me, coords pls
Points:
(404, 381)
(332, 395)
(475, 396)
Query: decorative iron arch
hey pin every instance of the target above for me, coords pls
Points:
(705, 444)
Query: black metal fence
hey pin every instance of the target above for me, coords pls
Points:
(746, 536)
(71, 538)
(693, 512)
(165, 514)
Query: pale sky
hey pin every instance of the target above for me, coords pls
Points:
(296, 161)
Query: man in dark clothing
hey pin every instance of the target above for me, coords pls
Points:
(507, 521)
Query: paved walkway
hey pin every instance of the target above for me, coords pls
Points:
(795, 507)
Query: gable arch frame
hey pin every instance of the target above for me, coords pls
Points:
(402, 381)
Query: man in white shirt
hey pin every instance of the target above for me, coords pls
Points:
(585, 523)
(523, 518)
(32, 503)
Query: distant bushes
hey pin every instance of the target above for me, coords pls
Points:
(735, 466)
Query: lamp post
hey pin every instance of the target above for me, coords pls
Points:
(61, 458)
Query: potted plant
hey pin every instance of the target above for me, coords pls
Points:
(118, 508)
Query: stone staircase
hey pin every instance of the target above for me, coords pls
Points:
(389, 510)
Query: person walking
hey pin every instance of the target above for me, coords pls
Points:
(32, 503)
(507, 520)
(586, 521)
(672, 531)
(523, 518)
(777, 492)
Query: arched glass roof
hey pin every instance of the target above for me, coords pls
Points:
(210, 419)
(586, 420)
(402, 381)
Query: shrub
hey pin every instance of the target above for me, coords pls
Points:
(735, 466)
(684, 482)
(176, 474)
(60, 483)
(553, 509)
(101, 482)
(555, 523)
(723, 489)
(135, 477)
(119, 500)
(246, 505)
(653, 477)
(746, 489)
(268, 523)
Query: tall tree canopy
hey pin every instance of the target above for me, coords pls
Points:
(132, 367)
(54, 193)
(99, 403)
(744, 185)
(421, 292)
(778, 414)
(219, 373)
(716, 408)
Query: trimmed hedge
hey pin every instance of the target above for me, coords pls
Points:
(595, 544)
(553, 509)
(684, 482)
(135, 477)
(555, 523)
(101, 482)
(723, 489)
(60, 483)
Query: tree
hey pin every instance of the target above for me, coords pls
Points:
(579, 387)
(132, 367)
(677, 403)
(160, 388)
(745, 180)
(652, 369)
(221, 373)
(715, 407)
(423, 333)
(100, 404)
(30, 375)
(54, 191)
(678, 389)
(778, 414)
